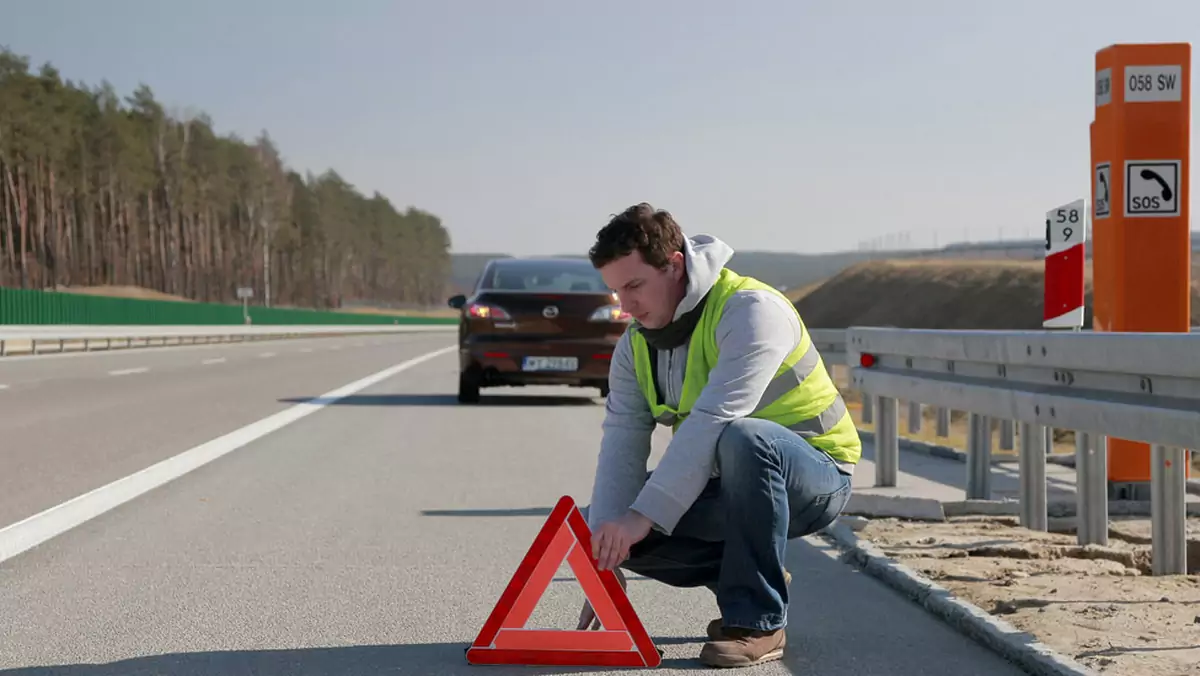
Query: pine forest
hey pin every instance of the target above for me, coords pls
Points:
(97, 190)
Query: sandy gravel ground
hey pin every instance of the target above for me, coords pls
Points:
(1099, 605)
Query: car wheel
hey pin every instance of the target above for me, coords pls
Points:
(604, 390)
(468, 388)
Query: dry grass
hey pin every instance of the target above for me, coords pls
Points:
(136, 292)
(1064, 441)
(795, 295)
(438, 313)
(940, 294)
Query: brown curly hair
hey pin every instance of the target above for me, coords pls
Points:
(652, 233)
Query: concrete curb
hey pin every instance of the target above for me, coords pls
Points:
(997, 635)
(950, 453)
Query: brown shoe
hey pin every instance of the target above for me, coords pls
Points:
(713, 631)
(744, 647)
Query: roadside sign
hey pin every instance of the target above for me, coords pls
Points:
(1141, 250)
(1102, 191)
(1066, 238)
(1152, 188)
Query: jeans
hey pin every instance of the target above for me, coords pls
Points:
(773, 487)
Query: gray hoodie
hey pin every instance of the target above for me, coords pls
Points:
(757, 331)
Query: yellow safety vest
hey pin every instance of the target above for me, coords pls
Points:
(802, 397)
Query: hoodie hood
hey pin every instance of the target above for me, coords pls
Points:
(704, 256)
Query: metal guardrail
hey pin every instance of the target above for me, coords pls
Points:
(111, 336)
(831, 343)
(1136, 386)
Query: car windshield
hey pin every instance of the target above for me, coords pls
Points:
(544, 276)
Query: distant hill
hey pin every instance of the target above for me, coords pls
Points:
(786, 271)
(794, 271)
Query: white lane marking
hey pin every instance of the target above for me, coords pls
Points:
(126, 372)
(306, 349)
(336, 347)
(266, 355)
(40, 527)
(218, 360)
(3, 387)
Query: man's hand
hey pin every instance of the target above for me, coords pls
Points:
(588, 616)
(610, 547)
(611, 542)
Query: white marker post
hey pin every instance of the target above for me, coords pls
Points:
(1066, 237)
(245, 293)
(1066, 233)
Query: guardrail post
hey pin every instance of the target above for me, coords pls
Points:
(887, 442)
(914, 416)
(979, 458)
(1006, 434)
(867, 408)
(1032, 470)
(943, 422)
(1091, 488)
(1168, 510)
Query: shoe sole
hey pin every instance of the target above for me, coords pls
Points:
(734, 663)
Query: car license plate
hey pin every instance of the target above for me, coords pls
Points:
(550, 364)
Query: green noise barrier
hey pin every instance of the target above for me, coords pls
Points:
(26, 306)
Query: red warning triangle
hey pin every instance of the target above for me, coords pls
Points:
(621, 642)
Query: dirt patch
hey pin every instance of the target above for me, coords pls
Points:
(1098, 605)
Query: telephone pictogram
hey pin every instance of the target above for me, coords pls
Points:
(1151, 175)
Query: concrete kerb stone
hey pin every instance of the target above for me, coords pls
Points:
(894, 506)
(950, 453)
(997, 635)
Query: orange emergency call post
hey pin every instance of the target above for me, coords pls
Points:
(1141, 245)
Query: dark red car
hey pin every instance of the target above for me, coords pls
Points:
(537, 321)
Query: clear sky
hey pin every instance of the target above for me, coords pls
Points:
(776, 125)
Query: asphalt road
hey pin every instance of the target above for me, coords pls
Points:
(371, 536)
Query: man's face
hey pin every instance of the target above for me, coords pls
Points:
(648, 294)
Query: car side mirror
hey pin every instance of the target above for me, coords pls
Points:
(457, 301)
